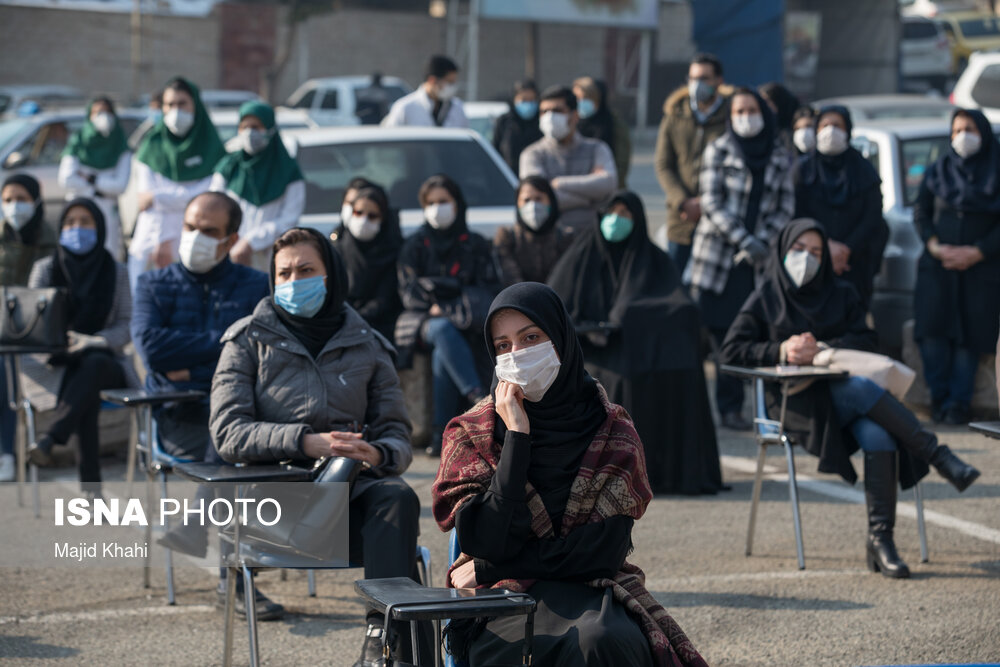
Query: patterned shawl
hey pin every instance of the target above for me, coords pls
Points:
(612, 481)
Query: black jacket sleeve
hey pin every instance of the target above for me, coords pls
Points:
(592, 551)
(871, 222)
(748, 341)
(858, 335)
(923, 213)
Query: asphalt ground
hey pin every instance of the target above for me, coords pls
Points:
(738, 610)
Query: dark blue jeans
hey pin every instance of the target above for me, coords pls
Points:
(680, 254)
(950, 372)
(853, 399)
(8, 418)
(453, 367)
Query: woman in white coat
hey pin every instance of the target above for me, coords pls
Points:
(174, 163)
(96, 164)
(266, 181)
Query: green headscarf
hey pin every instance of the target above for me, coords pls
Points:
(188, 158)
(92, 148)
(263, 177)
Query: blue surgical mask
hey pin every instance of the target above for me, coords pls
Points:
(526, 110)
(301, 297)
(615, 228)
(586, 107)
(78, 240)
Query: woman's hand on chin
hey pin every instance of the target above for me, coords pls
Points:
(464, 576)
(510, 407)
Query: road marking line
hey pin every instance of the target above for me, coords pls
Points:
(87, 616)
(672, 582)
(851, 495)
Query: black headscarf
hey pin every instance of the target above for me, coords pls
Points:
(835, 179)
(600, 125)
(314, 332)
(784, 100)
(539, 183)
(370, 263)
(973, 183)
(756, 150)
(90, 278)
(564, 422)
(819, 305)
(444, 240)
(31, 229)
(634, 287)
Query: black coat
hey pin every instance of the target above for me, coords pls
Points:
(754, 341)
(960, 306)
(512, 134)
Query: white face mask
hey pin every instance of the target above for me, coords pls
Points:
(254, 141)
(804, 139)
(103, 122)
(831, 140)
(554, 125)
(178, 122)
(748, 125)
(362, 228)
(346, 211)
(533, 369)
(534, 214)
(447, 91)
(18, 213)
(440, 216)
(198, 252)
(966, 144)
(801, 266)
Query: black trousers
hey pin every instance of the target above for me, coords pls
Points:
(79, 405)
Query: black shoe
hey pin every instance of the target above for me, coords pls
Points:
(40, 451)
(734, 422)
(267, 609)
(883, 557)
(371, 650)
(191, 540)
(956, 415)
(938, 413)
(433, 450)
(881, 479)
(953, 469)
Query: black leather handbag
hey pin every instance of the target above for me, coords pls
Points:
(34, 317)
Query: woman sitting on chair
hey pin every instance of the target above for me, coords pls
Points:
(799, 304)
(295, 381)
(542, 481)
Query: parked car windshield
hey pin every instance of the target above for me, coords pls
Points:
(916, 156)
(986, 91)
(984, 27)
(401, 167)
(10, 129)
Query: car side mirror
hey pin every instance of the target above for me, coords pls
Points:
(15, 160)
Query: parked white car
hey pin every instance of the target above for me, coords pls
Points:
(333, 100)
(400, 160)
(979, 85)
(483, 116)
(889, 107)
(47, 97)
(925, 53)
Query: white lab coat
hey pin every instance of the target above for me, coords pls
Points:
(110, 182)
(417, 109)
(162, 221)
(262, 225)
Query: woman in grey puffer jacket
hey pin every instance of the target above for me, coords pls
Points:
(305, 377)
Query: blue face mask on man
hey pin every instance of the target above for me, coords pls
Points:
(78, 240)
(301, 297)
(527, 109)
(615, 228)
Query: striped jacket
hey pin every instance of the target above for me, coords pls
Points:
(725, 184)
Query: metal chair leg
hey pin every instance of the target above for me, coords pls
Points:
(227, 647)
(22, 459)
(150, 492)
(413, 644)
(757, 482)
(793, 492)
(133, 446)
(921, 528)
(250, 604)
(169, 553)
(311, 578)
(29, 424)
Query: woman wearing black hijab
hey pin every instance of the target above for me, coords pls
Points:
(507, 470)
(957, 213)
(747, 196)
(799, 305)
(71, 381)
(448, 276)
(369, 242)
(305, 378)
(641, 335)
(838, 187)
(528, 250)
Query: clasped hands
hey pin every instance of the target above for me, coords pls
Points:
(801, 349)
(954, 257)
(77, 342)
(341, 443)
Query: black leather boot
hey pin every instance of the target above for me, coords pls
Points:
(880, 496)
(897, 419)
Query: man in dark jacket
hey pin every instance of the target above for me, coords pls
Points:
(693, 117)
(179, 315)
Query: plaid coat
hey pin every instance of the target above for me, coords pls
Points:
(725, 184)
